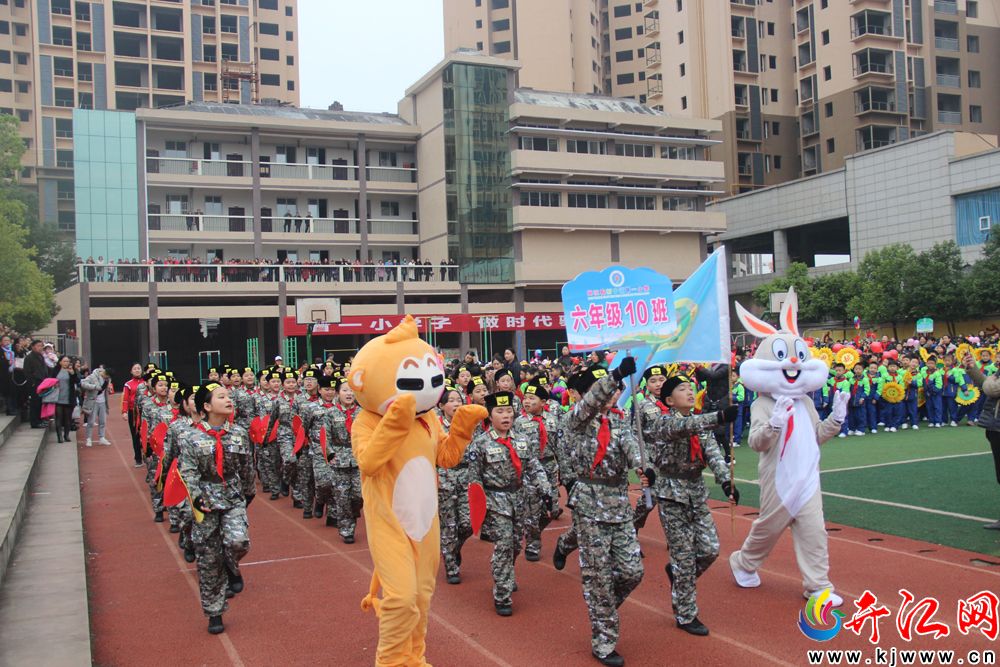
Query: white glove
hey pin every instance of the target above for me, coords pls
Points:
(782, 411)
(839, 411)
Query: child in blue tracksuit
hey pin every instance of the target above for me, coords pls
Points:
(739, 399)
(821, 400)
(842, 383)
(892, 413)
(874, 405)
(950, 391)
(933, 389)
(910, 402)
(959, 381)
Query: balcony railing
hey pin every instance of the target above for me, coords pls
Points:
(182, 166)
(183, 272)
(946, 6)
(949, 80)
(876, 105)
(311, 172)
(191, 222)
(745, 169)
(871, 67)
(391, 174)
(200, 222)
(950, 117)
(859, 29)
(946, 43)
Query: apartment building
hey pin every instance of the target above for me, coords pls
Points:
(58, 55)
(518, 190)
(798, 84)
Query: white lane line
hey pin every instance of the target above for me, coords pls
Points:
(898, 463)
(291, 558)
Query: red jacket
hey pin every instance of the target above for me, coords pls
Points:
(128, 395)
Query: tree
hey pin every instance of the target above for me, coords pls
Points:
(11, 148)
(796, 276)
(26, 295)
(830, 294)
(983, 295)
(937, 285)
(884, 291)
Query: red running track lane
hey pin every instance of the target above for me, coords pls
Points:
(304, 586)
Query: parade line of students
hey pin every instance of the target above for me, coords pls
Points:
(549, 425)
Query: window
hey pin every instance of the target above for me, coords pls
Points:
(390, 209)
(269, 54)
(624, 56)
(62, 36)
(211, 82)
(972, 43)
(777, 162)
(580, 200)
(975, 114)
(984, 223)
(638, 30)
(479, 24)
(636, 203)
(825, 36)
(268, 4)
(501, 47)
(230, 52)
(208, 25)
(770, 28)
(767, 164)
(830, 145)
(21, 58)
(634, 150)
(585, 146)
(64, 159)
(974, 79)
(479, 46)
(623, 10)
(21, 29)
(227, 23)
(972, 9)
(60, 7)
(289, 60)
(772, 62)
(540, 199)
(64, 96)
(208, 53)
(680, 153)
(624, 79)
(290, 85)
(683, 69)
(23, 115)
(828, 109)
(680, 5)
(684, 102)
(501, 25)
(270, 79)
(823, 4)
(84, 72)
(269, 29)
(499, 4)
(82, 11)
(680, 37)
(62, 66)
(289, 36)
(623, 33)
(23, 86)
(538, 144)
(827, 73)
(4, 28)
(288, 10)
(774, 94)
(83, 41)
(85, 100)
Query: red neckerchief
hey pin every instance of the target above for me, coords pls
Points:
(328, 405)
(217, 434)
(663, 409)
(543, 433)
(603, 440)
(694, 446)
(349, 421)
(284, 394)
(514, 458)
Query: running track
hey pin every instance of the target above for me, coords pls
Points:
(304, 585)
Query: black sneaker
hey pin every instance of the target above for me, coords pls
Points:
(297, 504)
(285, 489)
(670, 572)
(331, 521)
(695, 627)
(307, 514)
(318, 511)
(992, 526)
(533, 557)
(348, 539)
(275, 495)
(189, 555)
(215, 626)
(611, 659)
(559, 558)
(158, 517)
(454, 579)
(175, 529)
(503, 609)
(236, 583)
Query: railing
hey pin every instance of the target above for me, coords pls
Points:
(949, 80)
(875, 143)
(875, 105)
(950, 117)
(391, 174)
(946, 7)
(312, 172)
(745, 169)
(201, 222)
(877, 68)
(946, 43)
(183, 166)
(264, 273)
(741, 101)
(857, 30)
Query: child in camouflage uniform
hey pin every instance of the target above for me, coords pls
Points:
(453, 499)
(538, 427)
(156, 409)
(344, 504)
(268, 459)
(216, 465)
(282, 413)
(500, 461)
(680, 445)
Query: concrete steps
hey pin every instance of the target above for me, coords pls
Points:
(44, 615)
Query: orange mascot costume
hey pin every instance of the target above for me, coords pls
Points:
(397, 441)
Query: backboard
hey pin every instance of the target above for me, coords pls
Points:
(317, 310)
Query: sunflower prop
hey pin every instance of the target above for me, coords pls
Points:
(825, 354)
(848, 356)
(967, 395)
(699, 400)
(924, 354)
(893, 392)
(988, 350)
(963, 350)
(921, 397)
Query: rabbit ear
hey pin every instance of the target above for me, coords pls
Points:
(753, 324)
(790, 313)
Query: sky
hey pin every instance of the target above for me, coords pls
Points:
(366, 53)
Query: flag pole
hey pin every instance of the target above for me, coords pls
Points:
(637, 427)
(732, 460)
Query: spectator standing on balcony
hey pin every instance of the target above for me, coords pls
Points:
(444, 270)
(192, 222)
(428, 270)
(298, 221)
(309, 222)
(288, 221)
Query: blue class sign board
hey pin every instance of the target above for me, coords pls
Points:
(618, 308)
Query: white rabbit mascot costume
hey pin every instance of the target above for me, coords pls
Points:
(785, 429)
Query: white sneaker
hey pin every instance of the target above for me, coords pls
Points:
(915, 427)
(104, 441)
(89, 443)
(892, 429)
(835, 599)
(842, 435)
(874, 430)
(953, 423)
(905, 426)
(743, 578)
(881, 423)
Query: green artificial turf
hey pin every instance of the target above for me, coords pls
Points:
(964, 485)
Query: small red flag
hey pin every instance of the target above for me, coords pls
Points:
(159, 435)
(322, 441)
(175, 492)
(258, 427)
(300, 436)
(144, 436)
(273, 435)
(477, 506)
